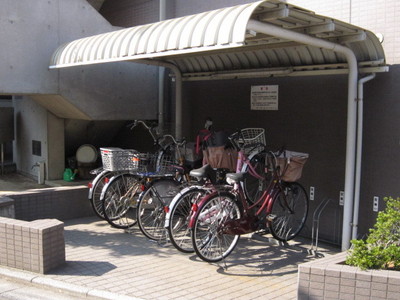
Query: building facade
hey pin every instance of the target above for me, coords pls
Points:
(90, 104)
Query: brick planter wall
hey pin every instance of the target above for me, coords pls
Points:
(7, 207)
(329, 278)
(62, 203)
(36, 246)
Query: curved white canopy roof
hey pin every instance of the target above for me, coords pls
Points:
(219, 42)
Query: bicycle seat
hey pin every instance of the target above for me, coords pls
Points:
(235, 177)
(202, 172)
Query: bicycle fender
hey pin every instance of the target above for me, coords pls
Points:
(172, 204)
(94, 182)
(176, 199)
(103, 191)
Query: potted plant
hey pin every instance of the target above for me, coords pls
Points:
(381, 249)
(369, 270)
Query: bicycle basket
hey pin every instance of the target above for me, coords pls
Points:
(291, 165)
(117, 159)
(154, 164)
(251, 139)
(163, 163)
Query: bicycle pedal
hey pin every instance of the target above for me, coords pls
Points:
(271, 217)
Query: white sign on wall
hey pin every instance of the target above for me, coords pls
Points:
(264, 97)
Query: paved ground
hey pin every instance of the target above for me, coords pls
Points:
(110, 263)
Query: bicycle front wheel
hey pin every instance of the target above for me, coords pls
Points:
(209, 241)
(178, 231)
(119, 200)
(152, 207)
(289, 212)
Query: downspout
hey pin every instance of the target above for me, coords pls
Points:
(178, 92)
(161, 72)
(351, 110)
(359, 152)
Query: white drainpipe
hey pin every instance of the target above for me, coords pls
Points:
(351, 110)
(359, 152)
(163, 10)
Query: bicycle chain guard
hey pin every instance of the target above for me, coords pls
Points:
(246, 224)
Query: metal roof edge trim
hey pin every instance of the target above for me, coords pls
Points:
(192, 44)
(279, 72)
(210, 36)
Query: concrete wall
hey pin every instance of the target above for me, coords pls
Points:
(99, 91)
(131, 13)
(119, 91)
(189, 7)
(31, 125)
(35, 123)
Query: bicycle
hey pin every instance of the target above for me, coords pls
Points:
(153, 202)
(105, 173)
(178, 216)
(221, 217)
(119, 196)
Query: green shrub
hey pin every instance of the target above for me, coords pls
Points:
(381, 249)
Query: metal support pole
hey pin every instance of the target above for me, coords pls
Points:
(2, 158)
(161, 76)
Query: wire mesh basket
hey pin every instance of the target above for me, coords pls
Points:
(117, 159)
(154, 164)
(251, 139)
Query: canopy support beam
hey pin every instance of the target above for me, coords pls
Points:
(178, 92)
(351, 111)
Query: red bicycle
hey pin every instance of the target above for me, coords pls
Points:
(219, 219)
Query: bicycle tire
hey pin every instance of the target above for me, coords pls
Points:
(209, 242)
(287, 223)
(119, 200)
(179, 232)
(152, 205)
(94, 196)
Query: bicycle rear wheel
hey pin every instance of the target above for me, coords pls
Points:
(289, 212)
(209, 241)
(178, 231)
(119, 200)
(151, 207)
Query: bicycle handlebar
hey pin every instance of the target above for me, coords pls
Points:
(234, 138)
(178, 143)
(149, 128)
(156, 138)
